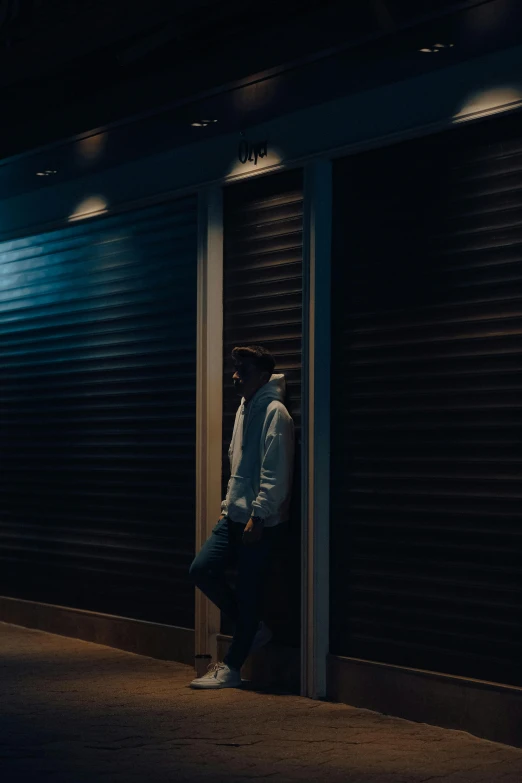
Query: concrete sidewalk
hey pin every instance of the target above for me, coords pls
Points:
(72, 711)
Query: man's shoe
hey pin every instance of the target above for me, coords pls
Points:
(262, 637)
(219, 675)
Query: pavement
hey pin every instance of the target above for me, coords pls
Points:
(75, 712)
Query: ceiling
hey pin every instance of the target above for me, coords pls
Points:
(69, 67)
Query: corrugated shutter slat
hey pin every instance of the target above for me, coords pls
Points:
(97, 401)
(426, 404)
(263, 294)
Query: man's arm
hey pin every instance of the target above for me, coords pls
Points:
(277, 464)
(224, 501)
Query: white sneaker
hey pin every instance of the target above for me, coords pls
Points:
(219, 675)
(262, 637)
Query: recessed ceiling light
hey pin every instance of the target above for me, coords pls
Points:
(436, 48)
(203, 123)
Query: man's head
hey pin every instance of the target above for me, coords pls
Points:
(253, 367)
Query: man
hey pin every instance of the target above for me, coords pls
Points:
(261, 458)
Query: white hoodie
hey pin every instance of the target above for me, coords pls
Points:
(261, 457)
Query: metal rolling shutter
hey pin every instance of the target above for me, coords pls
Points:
(263, 305)
(98, 356)
(426, 404)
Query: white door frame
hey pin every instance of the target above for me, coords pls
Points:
(209, 398)
(315, 462)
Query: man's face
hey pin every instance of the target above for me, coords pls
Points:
(248, 379)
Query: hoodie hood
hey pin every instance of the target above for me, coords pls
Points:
(275, 389)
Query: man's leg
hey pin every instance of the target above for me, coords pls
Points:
(252, 562)
(208, 568)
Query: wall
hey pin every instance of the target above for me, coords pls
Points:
(448, 96)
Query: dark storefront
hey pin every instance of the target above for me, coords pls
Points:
(122, 297)
(98, 381)
(426, 567)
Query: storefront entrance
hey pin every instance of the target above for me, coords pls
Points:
(426, 515)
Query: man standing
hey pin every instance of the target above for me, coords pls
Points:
(261, 457)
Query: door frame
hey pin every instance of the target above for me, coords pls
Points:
(209, 398)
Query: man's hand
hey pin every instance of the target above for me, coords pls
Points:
(252, 533)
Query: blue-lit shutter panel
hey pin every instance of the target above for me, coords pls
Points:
(426, 462)
(97, 416)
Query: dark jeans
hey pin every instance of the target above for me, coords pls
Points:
(224, 549)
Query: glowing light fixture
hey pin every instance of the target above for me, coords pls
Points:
(438, 47)
(89, 207)
(46, 173)
(92, 148)
(203, 123)
(490, 101)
